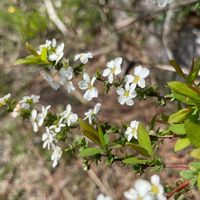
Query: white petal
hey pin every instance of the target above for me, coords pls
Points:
(141, 83)
(118, 61)
(110, 64)
(89, 55)
(53, 57)
(142, 186)
(60, 48)
(120, 91)
(129, 101)
(86, 77)
(76, 57)
(93, 80)
(88, 95)
(106, 72)
(117, 70)
(155, 179)
(84, 59)
(94, 92)
(97, 107)
(144, 73)
(110, 78)
(83, 85)
(129, 137)
(122, 100)
(138, 70)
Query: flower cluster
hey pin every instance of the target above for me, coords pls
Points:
(4, 99)
(25, 104)
(146, 190)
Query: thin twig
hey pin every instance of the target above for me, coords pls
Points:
(179, 188)
(54, 17)
(175, 166)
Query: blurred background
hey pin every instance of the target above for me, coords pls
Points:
(137, 30)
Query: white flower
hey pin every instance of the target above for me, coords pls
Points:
(41, 116)
(66, 77)
(140, 73)
(4, 99)
(56, 51)
(126, 95)
(140, 191)
(92, 112)
(113, 69)
(156, 188)
(131, 131)
(49, 139)
(69, 116)
(17, 110)
(84, 57)
(88, 85)
(46, 45)
(163, 3)
(28, 100)
(57, 128)
(33, 120)
(102, 197)
(56, 155)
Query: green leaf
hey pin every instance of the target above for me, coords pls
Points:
(195, 153)
(134, 160)
(44, 55)
(101, 137)
(31, 50)
(178, 129)
(31, 60)
(195, 166)
(138, 148)
(181, 143)
(193, 133)
(89, 131)
(185, 90)
(177, 67)
(90, 152)
(187, 174)
(179, 116)
(194, 71)
(144, 139)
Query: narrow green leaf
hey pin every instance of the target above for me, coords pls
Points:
(101, 137)
(181, 143)
(194, 71)
(195, 166)
(31, 50)
(138, 148)
(89, 131)
(90, 152)
(195, 153)
(186, 90)
(179, 116)
(178, 129)
(134, 160)
(44, 55)
(144, 139)
(193, 133)
(177, 67)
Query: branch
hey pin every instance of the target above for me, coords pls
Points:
(54, 17)
(179, 188)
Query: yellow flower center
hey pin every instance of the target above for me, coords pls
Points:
(136, 79)
(154, 189)
(127, 93)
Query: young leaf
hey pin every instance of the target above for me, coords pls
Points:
(31, 50)
(181, 143)
(134, 160)
(183, 89)
(177, 67)
(90, 152)
(44, 55)
(195, 153)
(187, 174)
(138, 148)
(198, 181)
(101, 137)
(194, 71)
(179, 116)
(193, 133)
(144, 139)
(178, 129)
(89, 131)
